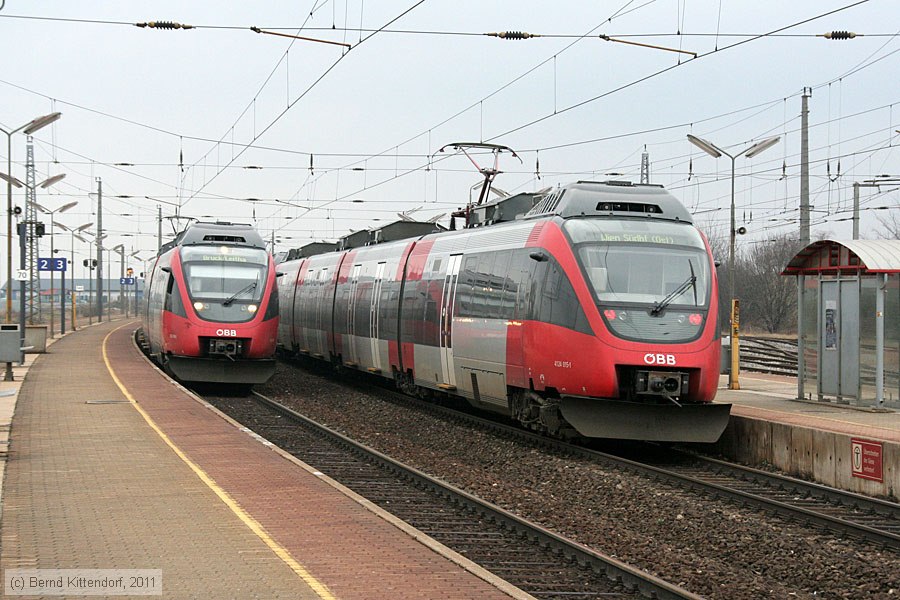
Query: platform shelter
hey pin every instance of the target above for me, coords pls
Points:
(848, 318)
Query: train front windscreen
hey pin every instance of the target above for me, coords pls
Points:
(650, 278)
(225, 283)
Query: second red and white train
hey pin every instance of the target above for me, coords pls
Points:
(596, 313)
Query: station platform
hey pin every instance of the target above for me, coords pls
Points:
(851, 448)
(110, 465)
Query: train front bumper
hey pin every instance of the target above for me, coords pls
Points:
(219, 370)
(600, 418)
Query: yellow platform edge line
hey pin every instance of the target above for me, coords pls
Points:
(318, 587)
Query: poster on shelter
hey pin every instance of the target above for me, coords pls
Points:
(830, 325)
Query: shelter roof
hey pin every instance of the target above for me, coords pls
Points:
(846, 256)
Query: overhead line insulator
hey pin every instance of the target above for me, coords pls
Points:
(164, 25)
(513, 35)
(840, 35)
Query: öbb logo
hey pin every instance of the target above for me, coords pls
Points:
(659, 359)
(230, 332)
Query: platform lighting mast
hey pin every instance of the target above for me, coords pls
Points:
(33, 284)
(645, 166)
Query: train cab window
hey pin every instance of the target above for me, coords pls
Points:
(557, 303)
(173, 302)
(225, 283)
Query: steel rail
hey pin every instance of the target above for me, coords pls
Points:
(878, 535)
(645, 583)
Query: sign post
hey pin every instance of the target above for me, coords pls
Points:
(53, 264)
(126, 281)
(734, 383)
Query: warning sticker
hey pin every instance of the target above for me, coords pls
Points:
(866, 459)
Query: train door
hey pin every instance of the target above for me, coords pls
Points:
(351, 314)
(373, 316)
(446, 341)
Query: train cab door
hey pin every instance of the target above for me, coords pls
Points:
(446, 342)
(351, 341)
(374, 311)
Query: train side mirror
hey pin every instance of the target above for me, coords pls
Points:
(717, 263)
(538, 256)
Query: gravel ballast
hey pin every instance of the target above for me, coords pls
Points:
(712, 547)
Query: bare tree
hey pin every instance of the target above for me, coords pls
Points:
(890, 225)
(719, 244)
(768, 300)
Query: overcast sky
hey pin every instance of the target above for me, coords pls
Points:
(324, 126)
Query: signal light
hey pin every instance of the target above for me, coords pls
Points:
(39, 229)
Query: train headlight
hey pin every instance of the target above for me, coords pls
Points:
(696, 319)
(198, 306)
(252, 308)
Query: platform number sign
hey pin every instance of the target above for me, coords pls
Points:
(126, 280)
(51, 264)
(866, 459)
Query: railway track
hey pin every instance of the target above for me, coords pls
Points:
(538, 561)
(769, 355)
(842, 513)
(779, 357)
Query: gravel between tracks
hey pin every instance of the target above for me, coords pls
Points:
(711, 547)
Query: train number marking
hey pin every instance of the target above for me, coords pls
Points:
(659, 359)
(230, 332)
(563, 364)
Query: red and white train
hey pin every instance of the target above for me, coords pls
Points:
(210, 310)
(593, 309)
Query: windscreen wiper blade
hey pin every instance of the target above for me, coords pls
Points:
(675, 293)
(243, 290)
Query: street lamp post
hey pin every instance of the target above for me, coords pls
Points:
(95, 241)
(23, 231)
(28, 129)
(717, 152)
(134, 294)
(74, 231)
(120, 249)
(52, 214)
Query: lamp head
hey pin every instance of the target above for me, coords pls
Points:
(41, 122)
(10, 179)
(707, 147)
(761, 146)
(51, 180)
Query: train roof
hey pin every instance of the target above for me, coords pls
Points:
(611, 199)
(392, 232)
(310, 249)
(220, 233)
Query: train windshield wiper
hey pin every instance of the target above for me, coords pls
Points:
(689, 282)
(243, 290)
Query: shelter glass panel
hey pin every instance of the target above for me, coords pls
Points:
(867, 356)
(810, 333)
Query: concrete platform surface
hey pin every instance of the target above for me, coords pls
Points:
(112, 466)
